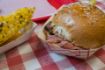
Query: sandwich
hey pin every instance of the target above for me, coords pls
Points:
(76, 26)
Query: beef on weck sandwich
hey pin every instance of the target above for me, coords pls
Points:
(80, 25)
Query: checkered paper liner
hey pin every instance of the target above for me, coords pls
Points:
(25, 36)
(78, 53)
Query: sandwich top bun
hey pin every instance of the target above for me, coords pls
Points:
(81, 24)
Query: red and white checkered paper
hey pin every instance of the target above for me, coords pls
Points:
(32, 55)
